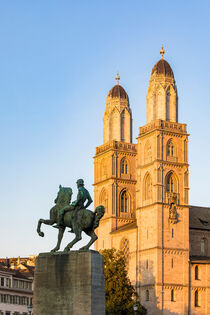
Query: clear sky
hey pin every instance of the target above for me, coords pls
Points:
(58, 60)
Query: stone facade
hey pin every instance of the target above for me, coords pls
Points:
(144, 188)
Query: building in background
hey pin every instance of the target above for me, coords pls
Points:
(144, 188)
(16, 285)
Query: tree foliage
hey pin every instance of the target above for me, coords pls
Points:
(119, 291)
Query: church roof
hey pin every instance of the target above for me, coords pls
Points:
(199, 218)
(162, 67)
(118, 91)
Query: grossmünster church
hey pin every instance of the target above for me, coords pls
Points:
(144, 187)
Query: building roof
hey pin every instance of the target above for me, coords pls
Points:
(199, 218)
(162, 67)
(200, 259)
(118, 92)
(18, 273)
(13, 272)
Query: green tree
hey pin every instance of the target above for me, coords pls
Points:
(119, 291)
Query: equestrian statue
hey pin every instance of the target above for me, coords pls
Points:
(73, 215)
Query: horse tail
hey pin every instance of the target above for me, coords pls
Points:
(99, 212)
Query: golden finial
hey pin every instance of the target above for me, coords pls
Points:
(117, 78)
(162, 52)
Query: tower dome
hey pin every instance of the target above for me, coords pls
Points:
(117, 115)
(118, 91)
(162, 67)
(162, 99)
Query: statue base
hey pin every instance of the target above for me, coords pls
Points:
(69, 284)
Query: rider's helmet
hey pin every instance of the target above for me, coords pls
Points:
(80, 182)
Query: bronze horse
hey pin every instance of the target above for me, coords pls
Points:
(85, 220)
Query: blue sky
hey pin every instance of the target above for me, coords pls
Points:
(58, 60)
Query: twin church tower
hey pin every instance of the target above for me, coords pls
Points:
(144, 188)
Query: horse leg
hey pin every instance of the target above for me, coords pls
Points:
(78, 237)
(48, 222)
(60, 237)
(93, 236)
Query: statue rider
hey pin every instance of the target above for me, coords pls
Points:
(76, 205)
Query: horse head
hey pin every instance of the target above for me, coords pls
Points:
(64, 196)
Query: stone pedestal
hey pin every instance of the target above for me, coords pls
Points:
(69, 284)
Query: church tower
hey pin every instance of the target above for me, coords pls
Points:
(117, 116)
(162, 99)
(114, 167)
(162, 210)
(144, 188)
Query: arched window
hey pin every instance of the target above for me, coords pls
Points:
(172, 295)
(147, 295)
(196, 298)
(196, 273)
(104, 199)
(170, 149)
(124, 202)
(171, 183)
(124, 246)
(147, 152)
(147, 187)
(124, 166)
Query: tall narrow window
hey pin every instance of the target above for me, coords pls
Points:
(172, 233)
(171, 183)
(196, 273)
(124, 166)
(124, 202)
(172, 263)
(196, 298)
(147, 295)
(172, 295)
(170, 149)
(147, 264)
